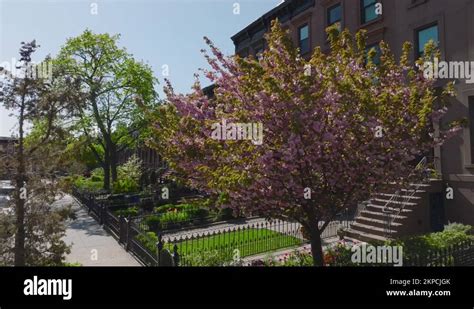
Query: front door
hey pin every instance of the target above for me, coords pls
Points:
(436, 212)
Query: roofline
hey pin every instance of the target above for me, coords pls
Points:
(266, 18)
(262, 19)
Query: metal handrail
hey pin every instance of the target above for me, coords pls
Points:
(390, 216)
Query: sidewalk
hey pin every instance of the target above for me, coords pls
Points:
(91, 244)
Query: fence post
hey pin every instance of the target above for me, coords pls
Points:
(175, 255)
(127, 229)
(103, 213)
(159, 248)
(121, 219)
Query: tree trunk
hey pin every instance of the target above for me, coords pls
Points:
(20, 182)
(316, 247)
(20, 229)
(113, 162)
(106, 167)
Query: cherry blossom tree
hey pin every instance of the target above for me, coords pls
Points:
(336, 127)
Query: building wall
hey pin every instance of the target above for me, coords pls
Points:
(398, 24)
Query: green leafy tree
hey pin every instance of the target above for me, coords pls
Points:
(44, 102)
(113, 81)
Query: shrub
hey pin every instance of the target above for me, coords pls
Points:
(148, 240)
(338, 255)
(125, 185)
(211, 258)
(225, 214)
(153, 222)
(164, 208)
(201, 213)
(170, 218)
(131, 211)
(88, 184)
(129, 175)
(96, 178)
(453, 234)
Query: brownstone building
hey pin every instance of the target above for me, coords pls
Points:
(447, 23)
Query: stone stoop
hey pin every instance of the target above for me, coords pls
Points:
(414, 218)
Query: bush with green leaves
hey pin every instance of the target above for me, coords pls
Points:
(339, 254)
(88, 184)
(153, 222)
(130, 211)
(126, 185)
(212, 258)
(129, 175)
(172, 218)
(148, 240)
(453, 234)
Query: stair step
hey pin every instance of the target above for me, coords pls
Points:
(380, 208)
(379, 214)
(375, 222)
(353, 240)
(389, 195)
(386, 201)
(413, 190)
(380, 231)
(421, 185)
(364, 237)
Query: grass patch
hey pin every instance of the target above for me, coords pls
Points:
(249, 242)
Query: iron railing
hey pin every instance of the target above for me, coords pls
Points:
(395, 205)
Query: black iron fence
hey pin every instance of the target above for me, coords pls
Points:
(226, 243)
(461, 254)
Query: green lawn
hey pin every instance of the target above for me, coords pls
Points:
(249, 242)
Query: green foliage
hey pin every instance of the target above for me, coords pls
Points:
(453, 234)
(249, 242)
(76, 264)
(153, 222)
(148, 240)
(338, 255)
(193, 210)
(114, 83)
(203, 252)
(171, 218)
(88, 184)
(131, 211)
(126, 185)
(128, 176)
(213, 258)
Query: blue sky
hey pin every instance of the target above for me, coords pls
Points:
(159, 32)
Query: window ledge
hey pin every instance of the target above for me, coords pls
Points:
(416, 3)
(372, 22)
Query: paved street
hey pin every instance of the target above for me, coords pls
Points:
(91, 244)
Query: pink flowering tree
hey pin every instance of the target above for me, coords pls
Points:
(336, 127)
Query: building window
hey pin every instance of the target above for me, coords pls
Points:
(425, 35)
(335, 15)
(303, 39)
(378, 52)
(368, 10)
